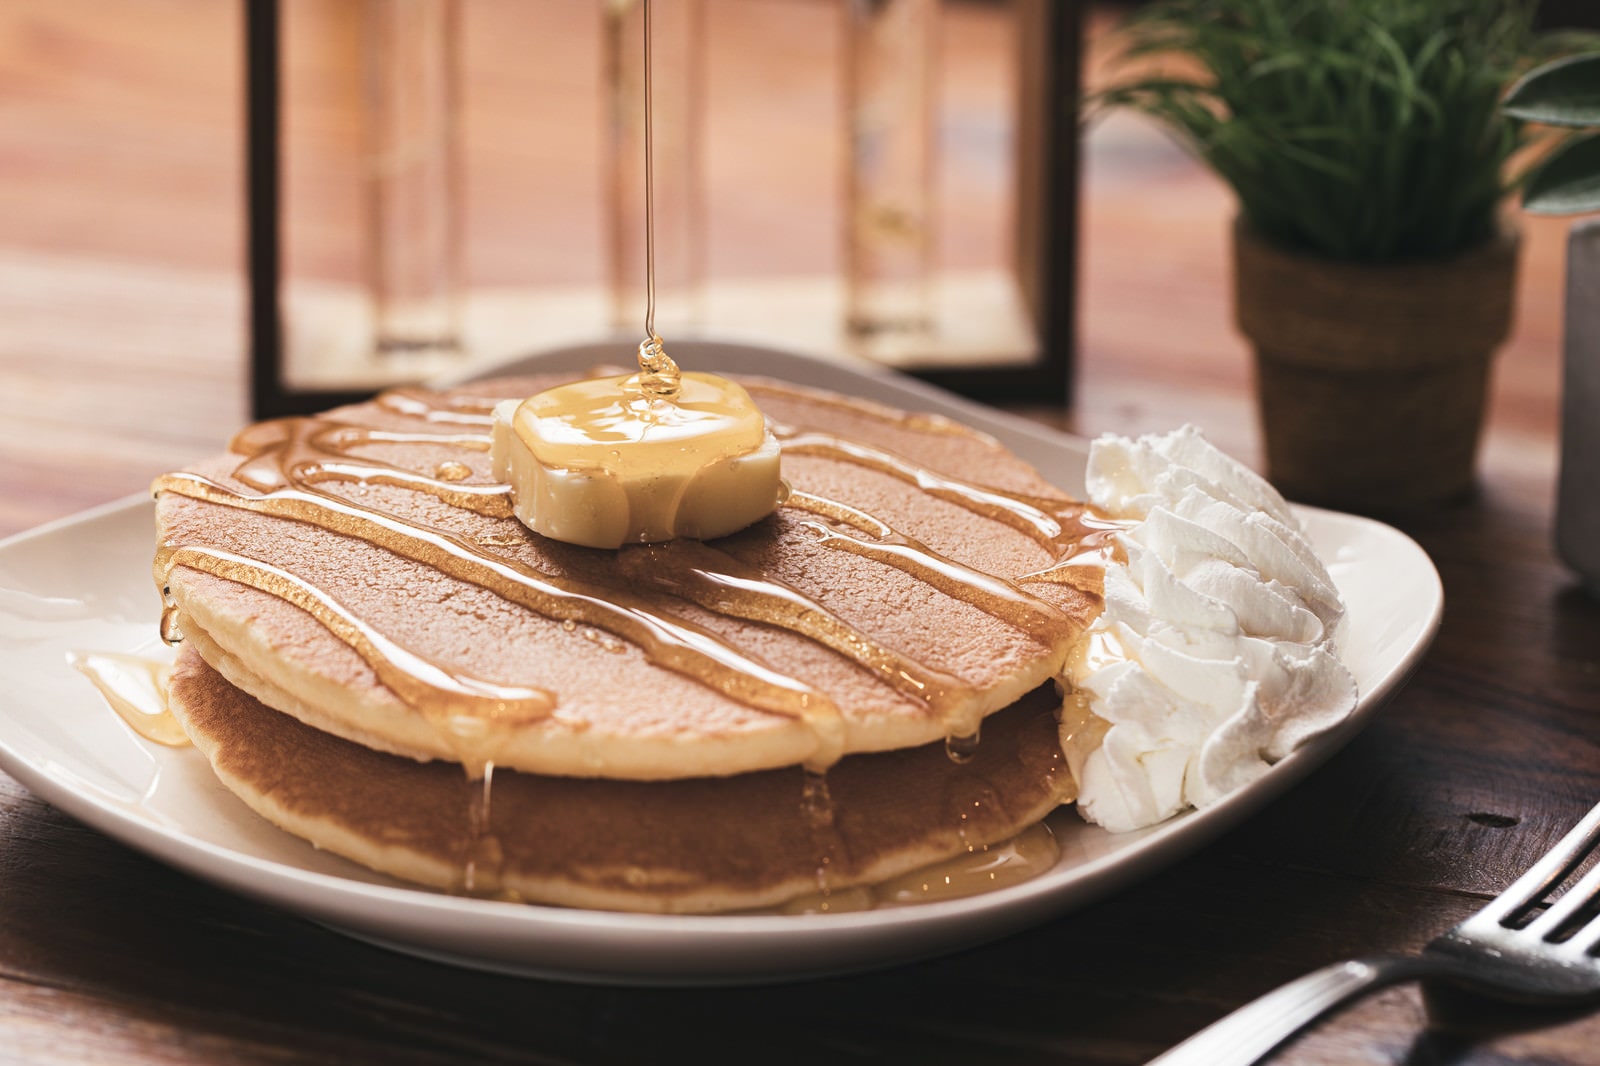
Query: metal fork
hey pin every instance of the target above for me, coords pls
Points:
(1496, 952)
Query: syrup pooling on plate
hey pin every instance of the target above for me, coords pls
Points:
(291, 468)
(136, 688)
(979, 869)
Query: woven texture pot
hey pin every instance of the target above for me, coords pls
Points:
(1371, 377)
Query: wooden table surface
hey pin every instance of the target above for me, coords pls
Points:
(121, 355)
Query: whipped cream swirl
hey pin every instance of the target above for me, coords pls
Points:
(1214, 656)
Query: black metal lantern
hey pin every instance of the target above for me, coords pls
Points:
(312, 347)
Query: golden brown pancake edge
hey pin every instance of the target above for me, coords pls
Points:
(686, 846)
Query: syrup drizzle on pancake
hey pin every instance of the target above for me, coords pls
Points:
(286, 461)
(430, 407)
(1015, 511)
(290, 452)
(415, 679)
(730, 587)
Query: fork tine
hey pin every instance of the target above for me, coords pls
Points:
(1586, 940)
(1574, 900)
(1547, 871)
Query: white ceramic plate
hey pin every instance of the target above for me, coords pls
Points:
(84, 583)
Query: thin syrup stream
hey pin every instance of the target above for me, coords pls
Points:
(658, 374)
(649, 206)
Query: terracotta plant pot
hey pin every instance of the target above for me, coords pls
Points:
(1371, 377)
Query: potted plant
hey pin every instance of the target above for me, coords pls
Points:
(1365, 143)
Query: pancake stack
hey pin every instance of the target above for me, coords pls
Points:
(378, 658)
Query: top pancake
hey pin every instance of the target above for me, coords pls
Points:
(357, 571)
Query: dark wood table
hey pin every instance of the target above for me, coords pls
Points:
(120, 356)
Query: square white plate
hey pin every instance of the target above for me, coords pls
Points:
(85, 584)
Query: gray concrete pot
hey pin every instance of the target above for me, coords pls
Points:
(1578, 495)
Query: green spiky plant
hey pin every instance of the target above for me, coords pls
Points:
(1365, 130)
(1565, 93)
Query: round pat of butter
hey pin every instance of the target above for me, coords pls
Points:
(605, 462)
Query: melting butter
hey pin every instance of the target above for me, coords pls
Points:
(136, 688)
(637, 459)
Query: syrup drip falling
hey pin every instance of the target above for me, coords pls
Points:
(170, 633)
(485, 857)
(816, 811)
(961, 749)
(659, 376)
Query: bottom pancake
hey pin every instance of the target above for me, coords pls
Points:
(689, 846)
